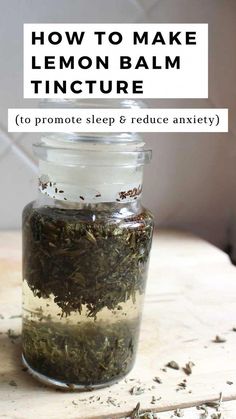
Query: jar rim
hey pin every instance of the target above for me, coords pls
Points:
(73, 138)
(93, 103)
(73, 157)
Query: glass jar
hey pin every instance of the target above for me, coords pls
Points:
(86, 245)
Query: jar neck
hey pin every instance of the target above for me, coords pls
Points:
(91, 171)
(91, 184)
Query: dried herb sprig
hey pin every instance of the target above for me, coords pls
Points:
(137, 390)
(188, 368)
(136, 414)
(12, 383)
(173, 365)
(157, 380)
(219, 339)
(179, 413)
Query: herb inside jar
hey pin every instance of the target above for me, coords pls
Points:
(83, 260)
(89, 354)
(87, 270)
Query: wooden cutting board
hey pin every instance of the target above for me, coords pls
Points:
(191, 298)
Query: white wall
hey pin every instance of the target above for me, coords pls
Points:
(191, 181)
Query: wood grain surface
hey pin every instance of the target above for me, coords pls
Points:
(191, 298)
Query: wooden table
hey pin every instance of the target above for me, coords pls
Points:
(191, 298)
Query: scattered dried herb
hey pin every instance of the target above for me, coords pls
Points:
(88, 354)
(215, 404)
(188, 368)
(234, 329)
(1, 317)
(85, 258)
(157, 380)
(230, 383)
(12, 383)
(182, 385)
(136, 391)
(112, 401)
(173, 365)
(179, 413)
(155, 399)
(219, 339)
(203, 411)
(136, 414)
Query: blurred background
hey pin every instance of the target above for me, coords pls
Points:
(191, 183)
